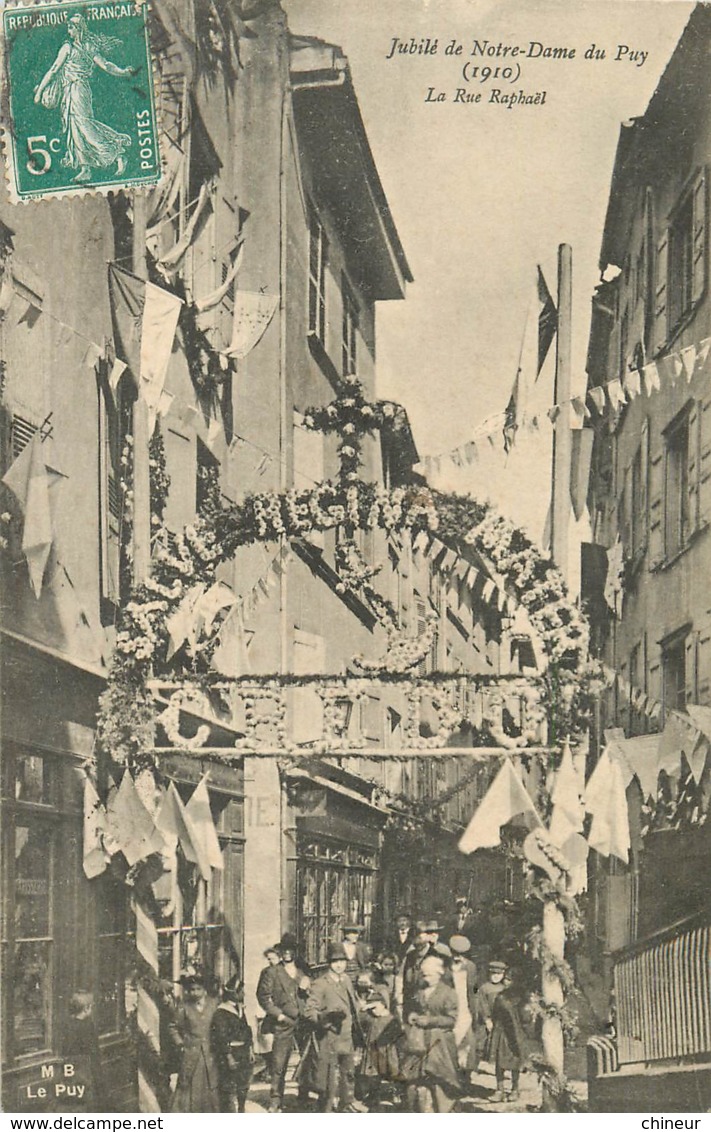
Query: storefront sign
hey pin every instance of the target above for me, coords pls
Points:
(56, 1084)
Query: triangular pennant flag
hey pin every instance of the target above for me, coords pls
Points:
(506, 799)
(553, 413)
(165, 403)
(219, 596)
(606, 800)
(511, 422)
(597, 396)
(31, 312)
(568, 812)
(674, 366)
(672, 742)
(633, 384)
(547, 320)
(703, 353)
(701, 717)
(94, 856)
(181, 623)
(642, 754)
(117, 370)
(175, 823)
(92, 355)
(145, 318)
(30, 478)
(198, 810)
(616, 393)
(131, 824)
(688, 361)
(230, 658)
(470, 452)
(253, 313)
(651, 377)
(578, 412)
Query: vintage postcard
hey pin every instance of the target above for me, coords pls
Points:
(355, 538)
(63, 82)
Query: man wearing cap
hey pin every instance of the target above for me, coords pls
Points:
(426, 943)
(282, 996)
(464, 980)
(403, 938)
(357, 952)
(486, 996)
(265, 1038)
(331, 1007)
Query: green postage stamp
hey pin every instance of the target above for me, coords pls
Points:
(78, 109)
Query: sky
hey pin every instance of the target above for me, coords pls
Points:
(481, 193)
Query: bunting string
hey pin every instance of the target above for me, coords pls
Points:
(609, 397)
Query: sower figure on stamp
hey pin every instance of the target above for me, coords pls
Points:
(332, 1009)
(89, 143)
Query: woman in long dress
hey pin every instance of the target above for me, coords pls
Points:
(89, 143)
(196, 1085)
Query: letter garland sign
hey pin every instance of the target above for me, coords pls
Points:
(82, 113)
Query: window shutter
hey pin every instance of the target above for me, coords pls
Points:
(660, 293)
(691, 648)
(643, 503)
(703, 666)
(656, 508)
(698, 254)
(704, 463)
(693, 463)
(623, 509)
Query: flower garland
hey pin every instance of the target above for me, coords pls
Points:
(571, 679)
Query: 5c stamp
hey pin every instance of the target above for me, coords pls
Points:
(80, 94)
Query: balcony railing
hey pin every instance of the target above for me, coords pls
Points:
(358, 715)
(663, 995)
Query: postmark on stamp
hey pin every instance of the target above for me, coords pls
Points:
(80, 96)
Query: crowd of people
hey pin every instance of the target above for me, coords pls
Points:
(407, 1027)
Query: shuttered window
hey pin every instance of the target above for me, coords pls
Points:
(687, 256)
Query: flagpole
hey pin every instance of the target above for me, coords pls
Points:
(562, 439)
(141, 438)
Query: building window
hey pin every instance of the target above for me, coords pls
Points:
(676, 491)
(335, 884)
(349, 331)
(680, 263)
(112, 953)
(318, 258)
(674, 671)
(638, 503)
(687, 253)
(28, 923)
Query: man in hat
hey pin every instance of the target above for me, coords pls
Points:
(196, 1081)
(265, 1037)
(357, 952)
(485, 999)
(332, 1008)
(463, 921)
(403, 938)
(231, 1044)
(426, 943)
(282, 996)
(464, 980)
